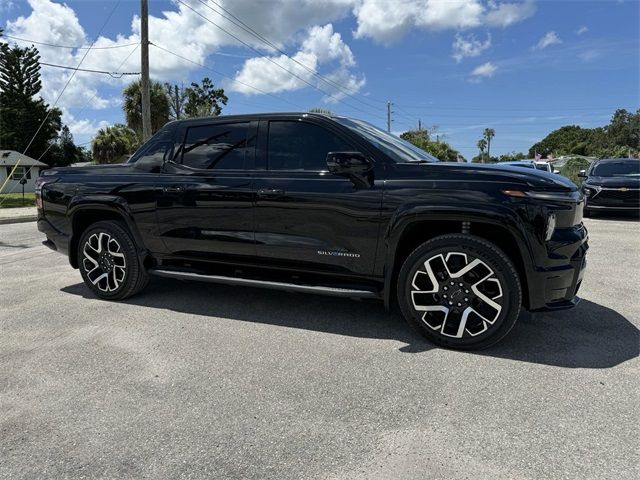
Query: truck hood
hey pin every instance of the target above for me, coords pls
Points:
(109, 169)
(614, 182)
(532, 178)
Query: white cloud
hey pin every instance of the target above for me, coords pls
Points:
(506, 14)
(85, 128)
(6, 5)
(385, 21)
(469, 47)
(289, 24)
(485, 70)
(349, 84)
(582, 29)
(589, 55)
(322, 46)
(549, 38)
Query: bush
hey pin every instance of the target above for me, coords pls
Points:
(573, 167)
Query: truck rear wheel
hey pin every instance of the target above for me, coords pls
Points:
(460, 291)
(108, 261)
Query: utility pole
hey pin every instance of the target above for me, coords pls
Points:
(144, 68)
(419, 124)
(388, 116)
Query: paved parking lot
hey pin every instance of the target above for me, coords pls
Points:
(193, 380)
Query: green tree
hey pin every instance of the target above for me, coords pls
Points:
(572, 167)
(619, 138)
(21, 112)
(323, 111)
(64, 152)
(421, 139)
(489, 133)
(204, 100)
(113, 144)
(177, 98)
(132, 106)
(482, 145)
(417, 136)
(513, 156)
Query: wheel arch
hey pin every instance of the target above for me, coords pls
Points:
(84, 212)
(501, 229)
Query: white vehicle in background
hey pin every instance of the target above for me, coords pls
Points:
(537, 164)
(542, 165)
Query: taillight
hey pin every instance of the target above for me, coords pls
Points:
(41, 182)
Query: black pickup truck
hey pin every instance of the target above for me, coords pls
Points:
(324, 204)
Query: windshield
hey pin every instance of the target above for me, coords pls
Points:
(543, 166)
(398, 149)
(617, 169)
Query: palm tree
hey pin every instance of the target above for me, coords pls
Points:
(482, 144)
(489, 133)
(111, 144)
(132, 106)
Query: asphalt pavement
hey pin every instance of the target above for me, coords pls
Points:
(190, 380)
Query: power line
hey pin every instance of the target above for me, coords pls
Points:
(111, 74)
(60, 95)
(268, 58)
(226, 76)
(137, 45)
(69, 46)
(271, 44)
(555, 108)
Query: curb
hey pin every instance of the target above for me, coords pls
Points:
(23, 219)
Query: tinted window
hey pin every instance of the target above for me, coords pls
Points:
(396, 148)
(221, 146)
(153, 152)
(617, 169)
(301, 146)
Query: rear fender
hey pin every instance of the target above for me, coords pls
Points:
(105, 207)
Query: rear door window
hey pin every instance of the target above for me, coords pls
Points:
(221, 146)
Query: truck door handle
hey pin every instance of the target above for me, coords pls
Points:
(173, 189)
(270, 193)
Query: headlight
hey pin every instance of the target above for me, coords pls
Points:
(591, 189)
(541, 195)
(551, 226)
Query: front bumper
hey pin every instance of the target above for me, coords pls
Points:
(556, 287)
(610, 208)
(614, 199)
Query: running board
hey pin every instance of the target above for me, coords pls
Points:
(248, 282)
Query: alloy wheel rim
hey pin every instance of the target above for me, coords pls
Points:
(457, 295)
(104, 262)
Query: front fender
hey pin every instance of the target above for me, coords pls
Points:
(512, 220)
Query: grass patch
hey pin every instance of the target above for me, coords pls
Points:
(14, 200)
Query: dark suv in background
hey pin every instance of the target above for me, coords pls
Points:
(612, 185)
(322, 204)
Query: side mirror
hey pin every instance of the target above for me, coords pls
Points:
(555, 170)
(582, 174)
(348, 164)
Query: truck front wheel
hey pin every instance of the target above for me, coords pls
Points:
(460, 291)
(108, 261)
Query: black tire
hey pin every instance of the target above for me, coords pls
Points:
(126, 276)
(497, 296)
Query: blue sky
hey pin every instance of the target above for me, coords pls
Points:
(523, 68)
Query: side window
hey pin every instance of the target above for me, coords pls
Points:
(154, 152)
(301, 146)
(218, 146)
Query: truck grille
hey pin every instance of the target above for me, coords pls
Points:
(626, 197)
